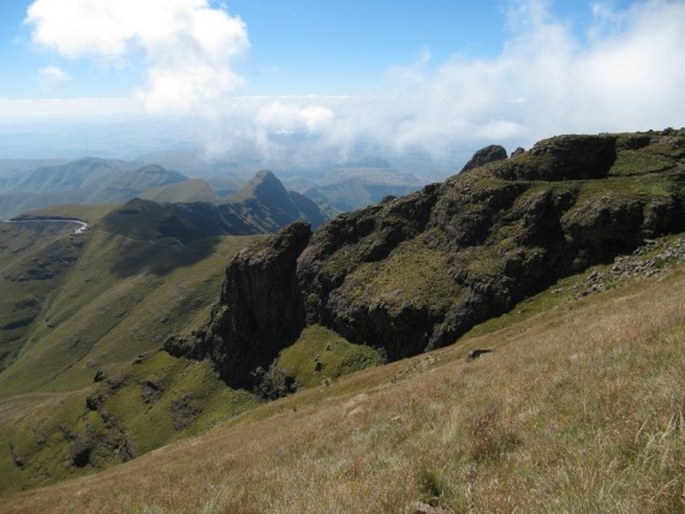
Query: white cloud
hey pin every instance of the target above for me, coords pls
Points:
(281, 118)
(625, 71)
(628, 76)
(188, 46)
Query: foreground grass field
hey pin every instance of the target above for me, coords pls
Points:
(579, 408)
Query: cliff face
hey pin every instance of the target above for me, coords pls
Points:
(415, 273)
(260, 310)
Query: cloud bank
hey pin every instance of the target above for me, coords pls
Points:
(623, 71)
(188, 47)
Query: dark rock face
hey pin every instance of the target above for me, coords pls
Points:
(417, 272)
(563, 158)
(260, 310)
(485, 155)
(80, 454)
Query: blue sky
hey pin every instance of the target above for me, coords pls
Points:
(296, 46)
(409, 75)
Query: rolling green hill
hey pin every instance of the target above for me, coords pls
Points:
(34, 258)
(104, 295)
(88, 304)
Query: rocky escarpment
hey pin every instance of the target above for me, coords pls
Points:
(260, 310)
(415, 273)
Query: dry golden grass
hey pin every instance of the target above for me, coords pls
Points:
(579, 409)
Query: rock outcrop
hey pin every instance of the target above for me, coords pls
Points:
(415, 273)
(574, 157)
(260, 311)
(491, 153)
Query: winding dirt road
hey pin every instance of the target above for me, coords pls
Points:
(82, 225)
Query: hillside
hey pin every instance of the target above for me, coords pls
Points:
(263, 206)
(193, 190)
(385, 283)
(89, 305)
(83, 301)
(33, 258)
(578, 408)
(415, 273)
(53, 277)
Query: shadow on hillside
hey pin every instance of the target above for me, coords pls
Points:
(159, 257)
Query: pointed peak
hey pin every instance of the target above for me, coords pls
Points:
(264, 176)
(266, 180)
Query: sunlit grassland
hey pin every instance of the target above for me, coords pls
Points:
(578, 409)
(320, 355)
(92, 316)
(97, 316)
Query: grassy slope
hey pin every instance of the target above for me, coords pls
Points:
(89, 316)
(98, 316)
(32, 259)
(320, 355)
(97, 319)
(134, 409)
(580, 408)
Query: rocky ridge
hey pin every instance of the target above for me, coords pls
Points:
(415, 273)
(263, 206)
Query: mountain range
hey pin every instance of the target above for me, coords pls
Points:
(28, 185)
(167, 319)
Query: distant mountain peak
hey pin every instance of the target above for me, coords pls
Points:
(265, 181)
(264, 175)
(264, 186)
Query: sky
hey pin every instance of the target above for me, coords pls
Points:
(298, 81)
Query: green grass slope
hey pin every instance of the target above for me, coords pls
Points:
(100, 312)
(578, 408)
(33, 259)
(321, 355)
(133, 408)
(85, 386)
(92, 304)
